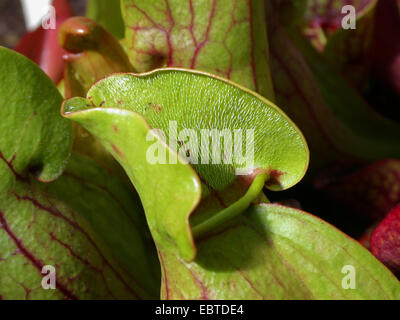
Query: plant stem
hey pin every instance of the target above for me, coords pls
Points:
(233, 210)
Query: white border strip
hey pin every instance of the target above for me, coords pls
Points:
(34, 10)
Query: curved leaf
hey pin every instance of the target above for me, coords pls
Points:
(167, 213)
(196, 100)
(34, 137)
(279, 147)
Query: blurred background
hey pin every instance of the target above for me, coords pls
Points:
(13, 24)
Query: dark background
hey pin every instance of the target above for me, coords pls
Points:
(12, 24)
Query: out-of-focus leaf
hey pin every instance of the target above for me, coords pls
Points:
(370, 192)
(108, 14)
(61, 88)
(42, 47)
(328, 15)
(351, 50)
(223, 37)
(193, 100)
(336, 121)
(34, 137)
(324, 19)
(385, 241)
(287, 11)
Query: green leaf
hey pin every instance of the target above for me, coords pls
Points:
(114, 213)
(351, 50)
(289, 12)
(108, 14)
(197, 100)
(367, 127)
(275, 252)
(34, 137)
(167, 212)
(94, 54)
(78, 223)
(38, 229)
(193, 100)
(224, 37)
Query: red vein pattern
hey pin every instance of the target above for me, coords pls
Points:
(66, 245)
(11, 167)
(216, 36)
(36, 262)
(56, 213)
(199, 276)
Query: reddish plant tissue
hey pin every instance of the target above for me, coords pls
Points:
(369, 193)
(329, 16)
(42, 47)
(385, 241)
(365, 239)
